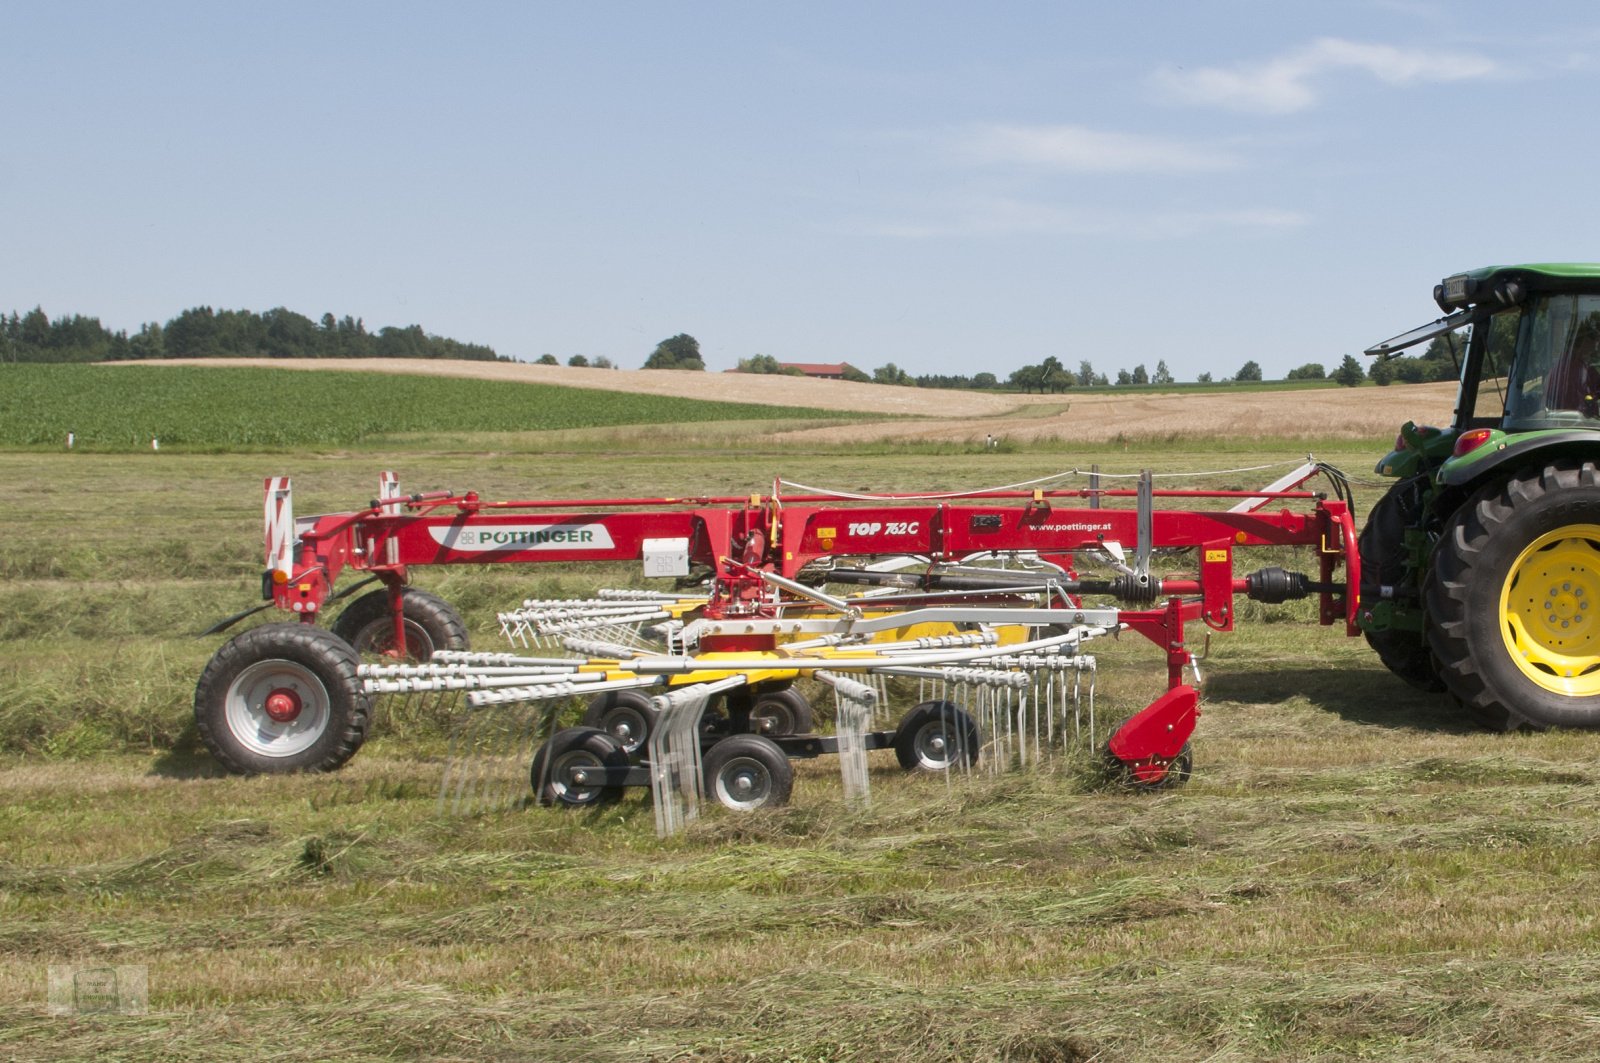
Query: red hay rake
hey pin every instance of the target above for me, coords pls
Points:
(982, 599)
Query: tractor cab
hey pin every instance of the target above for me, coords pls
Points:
(1526, 343)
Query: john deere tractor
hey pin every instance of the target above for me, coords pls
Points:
(1481, 565)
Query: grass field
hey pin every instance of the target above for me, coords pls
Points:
(1352, 873)
(120, 408)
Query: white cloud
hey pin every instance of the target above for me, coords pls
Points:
(1287, 84)
(994, 217)
(1078, 149)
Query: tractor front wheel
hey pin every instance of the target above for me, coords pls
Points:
(1514, 600)
(282, 698)
(1383, 563)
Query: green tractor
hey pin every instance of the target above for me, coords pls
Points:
(1480, 568)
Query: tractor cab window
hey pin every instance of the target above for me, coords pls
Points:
(1489, 403)
(1555, 379)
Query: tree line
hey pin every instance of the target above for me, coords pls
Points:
(202, 332)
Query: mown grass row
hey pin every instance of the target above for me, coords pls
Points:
(1352, 873)
(245, 408)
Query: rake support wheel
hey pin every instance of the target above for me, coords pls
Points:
(781, 712)
(747, 772)
(571, 750)
(282, 698)
(936, 736)
(625, 715)
(431, 624)
(1514, 600)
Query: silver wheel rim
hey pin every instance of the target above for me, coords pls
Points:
(627, 726)
(744, 783)
(571, 793)
(937, 745)
(254, 729)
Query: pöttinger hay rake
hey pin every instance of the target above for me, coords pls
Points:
(985, 602)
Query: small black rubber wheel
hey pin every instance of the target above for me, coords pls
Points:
(1514, 599)
(781, 712)
(1179, 769)
(936, 736)
(1383, 563)
(625, 715)
(747, 772)
(282, 698)
(431, 624)
(572, 750)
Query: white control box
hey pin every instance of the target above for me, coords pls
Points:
(666, 557)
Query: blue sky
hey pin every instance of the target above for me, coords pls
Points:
(950, 187)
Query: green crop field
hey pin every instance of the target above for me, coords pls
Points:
(1352, 872)
(244, 408)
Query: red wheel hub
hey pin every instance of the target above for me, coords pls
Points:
(283, 705)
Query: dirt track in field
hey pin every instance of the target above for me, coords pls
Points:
(964, 416)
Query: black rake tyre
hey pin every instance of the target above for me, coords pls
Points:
(747, 772)
(431, 624)
(781, 712)
(1382, 549)
(625, 715)
(1179, 770)
(574, 749)
(1514, 600)
(282, 698)
(936, 736)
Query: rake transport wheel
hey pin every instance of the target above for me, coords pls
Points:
(282, 698)
(1140, 776)
(570, 750)
(431, 624)
(625, 715)
(747, 772)
(1383, 562)
(781, 712)
(936, 736)
(1514, 600)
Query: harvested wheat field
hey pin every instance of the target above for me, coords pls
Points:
(936, 415)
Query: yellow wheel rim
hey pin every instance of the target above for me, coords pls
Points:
(1550, 608)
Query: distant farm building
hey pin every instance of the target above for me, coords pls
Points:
(821, 370)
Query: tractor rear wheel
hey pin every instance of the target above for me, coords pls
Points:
(431, 624)
(282, 698)
(1514, 600)
(1383, 563)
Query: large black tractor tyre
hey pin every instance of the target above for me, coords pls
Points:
(1383, 562)
(936, 736)
(574, 749)
(1514, 600)
(626, 715)
(431, 624)
(282, 698)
